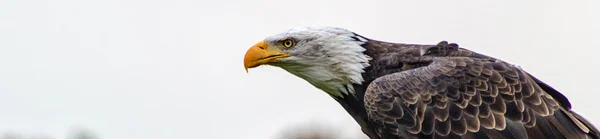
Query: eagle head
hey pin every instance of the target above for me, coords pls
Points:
(330, 58)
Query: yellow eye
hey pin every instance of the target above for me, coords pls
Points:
(288, 43)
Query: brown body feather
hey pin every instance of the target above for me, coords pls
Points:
(442, 91)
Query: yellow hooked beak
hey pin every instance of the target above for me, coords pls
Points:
(260, 54)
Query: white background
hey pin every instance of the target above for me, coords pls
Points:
(172, 69)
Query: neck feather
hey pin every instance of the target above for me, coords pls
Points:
(343, 65)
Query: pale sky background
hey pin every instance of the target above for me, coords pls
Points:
(172, 69)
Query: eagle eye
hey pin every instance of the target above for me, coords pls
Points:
(288, 43)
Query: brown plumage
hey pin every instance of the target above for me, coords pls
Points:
(444, 91)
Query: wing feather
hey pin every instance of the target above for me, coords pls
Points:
(469, 96)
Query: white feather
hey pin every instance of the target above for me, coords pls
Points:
(327, 57)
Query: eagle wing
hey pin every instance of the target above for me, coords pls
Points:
(468, 97)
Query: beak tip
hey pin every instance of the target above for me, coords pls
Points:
(247, 65)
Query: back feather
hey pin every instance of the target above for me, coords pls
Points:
(447, 92)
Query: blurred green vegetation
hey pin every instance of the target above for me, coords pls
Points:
(295, 131)
(320, 131)
(78, 133)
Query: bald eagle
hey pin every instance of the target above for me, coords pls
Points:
(420, 91)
